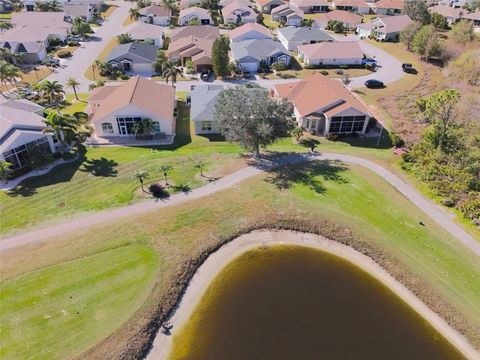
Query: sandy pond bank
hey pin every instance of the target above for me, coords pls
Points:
(207, 272)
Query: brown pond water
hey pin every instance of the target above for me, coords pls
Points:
(292, 302)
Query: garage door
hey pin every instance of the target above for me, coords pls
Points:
(251, 67)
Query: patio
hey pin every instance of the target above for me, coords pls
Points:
(158, 139)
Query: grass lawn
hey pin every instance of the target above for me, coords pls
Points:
(267, 21)
(6, 16)
(128, 21)
(29, 77)
(101, 57)
(87, 298)
(349, 204)
(75, 105)
(107, 11)
(66, 48)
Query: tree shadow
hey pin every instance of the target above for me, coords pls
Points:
(309, 142)
(181, 188)
(311, 174)
(100, 167)
(60, 174)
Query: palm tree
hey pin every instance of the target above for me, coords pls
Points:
(53, 90)
(63, 127)
(73, 83)
(143, 128)
(9, 73)
(134, 14)
(5, 170)
(297, 133)
(170, 71)
(165, 168)
(200, 165)
(141, 175)
(169, 4)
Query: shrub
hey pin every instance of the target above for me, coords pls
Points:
(324, 72)
(157, 190)
(449, 202)
(54, 42)
(395, 139)
(62, 54)
(57, 155)
(333, 137)
(286, 76)
(73, 43)
(309, 67)
(124, 77)
(471, 209)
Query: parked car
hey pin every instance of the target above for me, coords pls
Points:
(247, 74)
(408, 68)
(369, 61)
(374, 84)
(205, 75)
(51, 61)
(74, 38)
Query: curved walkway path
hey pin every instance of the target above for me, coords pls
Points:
(206, 273)
(85, 221)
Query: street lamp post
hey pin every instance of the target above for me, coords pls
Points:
(93, 71)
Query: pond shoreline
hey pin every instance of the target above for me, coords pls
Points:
(213, 265)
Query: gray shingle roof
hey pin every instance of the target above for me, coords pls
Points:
(135, 52)
(257, 49)
(304, 34)
(203, 102)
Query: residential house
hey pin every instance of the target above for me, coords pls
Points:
(452, 15)
(288, 14)
(250, 54)
(29, 5)
(204, 32)
(186, 15)
(6, 6)
(348, 19)
(323, 105)
(76, 9)
(249, 31)
(456, 3)
(238, 13)
(474, 18)
(266, 6)
(358, 6)
(386, 28)
(133, 57)
(184, 4)
(198, 50)
(335, 53)
(21, 132)
(203, 99)
(389, 7)
(311, 6)
(32, 32)
(291, 37)
(147, 33)
(115, 109)
(156, 15)
(224, 3)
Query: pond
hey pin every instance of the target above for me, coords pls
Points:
(293, 302)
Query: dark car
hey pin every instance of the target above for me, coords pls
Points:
(205, 75)
(374, 84)
(408, 68)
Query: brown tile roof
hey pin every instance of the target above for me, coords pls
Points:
(305, 3)
(332, 50)
(320, 93)
(472, 16)
(146, 94)
(199, 31)
(445, 10)
(393, 24)
(191, 46)
(354, 3)
(192, 10)
(248, 27)
(340, 15)
(156, 10)
(390, 4)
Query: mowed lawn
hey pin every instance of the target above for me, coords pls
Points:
(102, 177)
(342, 202)
(58, 311)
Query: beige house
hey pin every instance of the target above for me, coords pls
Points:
(156, 15)
(114, 110)
(323, 106)
(389, 7)
(236, 12)
(336, 53)
(200, 31)
(187, 15)
(249, 31)
(198, 50)
(311, 6)
(266, 6)
(451, 14)
(288, 14)
(359, 6)
(347, 18)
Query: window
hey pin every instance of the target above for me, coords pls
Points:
(156, 127)
(19, 156)
(107, 128)
(347, 124)
(126, 125)
(206, 126)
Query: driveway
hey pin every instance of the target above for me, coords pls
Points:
(429, 208)
(84, 56)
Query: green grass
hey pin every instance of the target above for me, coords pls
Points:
(268, 22)
(6, 16)
(76, 105)
(86, 298)
(341, 202)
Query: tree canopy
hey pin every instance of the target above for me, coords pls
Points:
(249, 116)
(220, 57)
(417, 11)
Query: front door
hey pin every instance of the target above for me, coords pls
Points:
(123, 130)
(127, 66)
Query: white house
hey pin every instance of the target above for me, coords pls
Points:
(389, 7)
(266, 6)
(331, 53)
(291, 37)
(203, 99)
(115, 109)
(250, 31)
(147, 33)
(186, 15)
(133, 57)
(311, 6)
(323, 105)
(386, 28)
(347, 18)
(288, 14)
(184, 4)
(156, 15)
(358, 6)
(21, 132)
(251, 53)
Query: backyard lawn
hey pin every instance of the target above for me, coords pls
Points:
(107, 11)
(346, 203)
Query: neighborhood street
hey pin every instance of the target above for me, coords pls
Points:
(427, 206)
